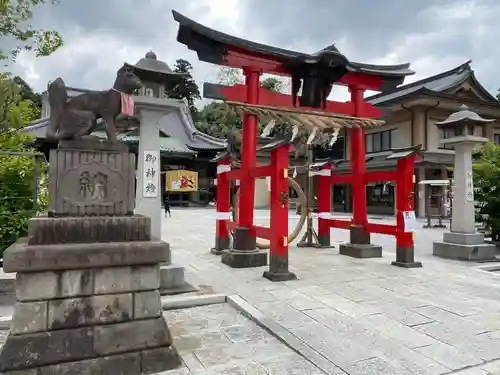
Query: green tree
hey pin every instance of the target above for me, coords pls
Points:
(14, 17)
(185, 87)
(486, 168)
(26, 92)
(17, 173)
(18, 106)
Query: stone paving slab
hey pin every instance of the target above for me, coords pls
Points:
(364, 315)
(217, 339)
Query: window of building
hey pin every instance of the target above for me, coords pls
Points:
(378, 142)
(496, 138)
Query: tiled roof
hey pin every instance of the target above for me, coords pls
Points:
(176, 124)
(438, 83)
(167, 144)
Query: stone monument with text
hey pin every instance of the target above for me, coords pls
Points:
(463, 242)
(88, 272)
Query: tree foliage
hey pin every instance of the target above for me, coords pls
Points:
(15, 16)
(26, 92)
(17, 173)
(185, 87)
(486, 168)
(218, 118)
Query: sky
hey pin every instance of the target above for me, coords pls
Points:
(100, 35)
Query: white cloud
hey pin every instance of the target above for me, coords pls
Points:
(446, 35)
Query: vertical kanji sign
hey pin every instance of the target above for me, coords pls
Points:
(151, 171)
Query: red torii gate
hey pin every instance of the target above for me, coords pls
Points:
(316, 73)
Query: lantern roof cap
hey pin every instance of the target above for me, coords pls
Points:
(464, 115)
(149, 68)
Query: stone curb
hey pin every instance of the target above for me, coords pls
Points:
(282, 334)
(184, 302)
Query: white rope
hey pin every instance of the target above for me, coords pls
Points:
(267, 130)
(295, 131)
(335, 135)
(312, 136)
(223, 216)
(321, 172)
(325, 215)
(223, 168)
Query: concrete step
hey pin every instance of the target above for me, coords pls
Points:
(172, 280)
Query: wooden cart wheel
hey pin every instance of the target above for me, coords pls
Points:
(264, 244)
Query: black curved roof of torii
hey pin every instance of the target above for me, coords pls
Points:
(211, 46)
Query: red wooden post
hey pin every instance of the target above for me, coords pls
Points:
(278, 253)
(405, 185)
(359, 246)
(244, 253)
(243, 239)
(222, 206)
(324, 204)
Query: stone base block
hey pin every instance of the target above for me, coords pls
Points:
(464, 252)
(464, 238)
(144, 362)
(87, 229)
(21, 257)
(407, 264)
(273, 276)
(172, 280)
(63, 347)
(360, 250)
(244, 259)
(68, 317)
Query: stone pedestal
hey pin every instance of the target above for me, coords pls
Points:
(463, 246)
(463, 243)
(150, 111)
(360, 246)
(244, 253)
(87, 286)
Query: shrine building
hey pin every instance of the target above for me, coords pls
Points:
(411, 113)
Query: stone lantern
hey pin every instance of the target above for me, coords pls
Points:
(463, 242)
(155, 75)
(151, 105)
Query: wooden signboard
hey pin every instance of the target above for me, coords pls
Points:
(181, 181)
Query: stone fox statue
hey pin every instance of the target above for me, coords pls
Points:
(78, 117)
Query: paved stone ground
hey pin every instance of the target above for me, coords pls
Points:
(217, 340)
(365, 316)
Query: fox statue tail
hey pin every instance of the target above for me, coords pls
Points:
(58, 97)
